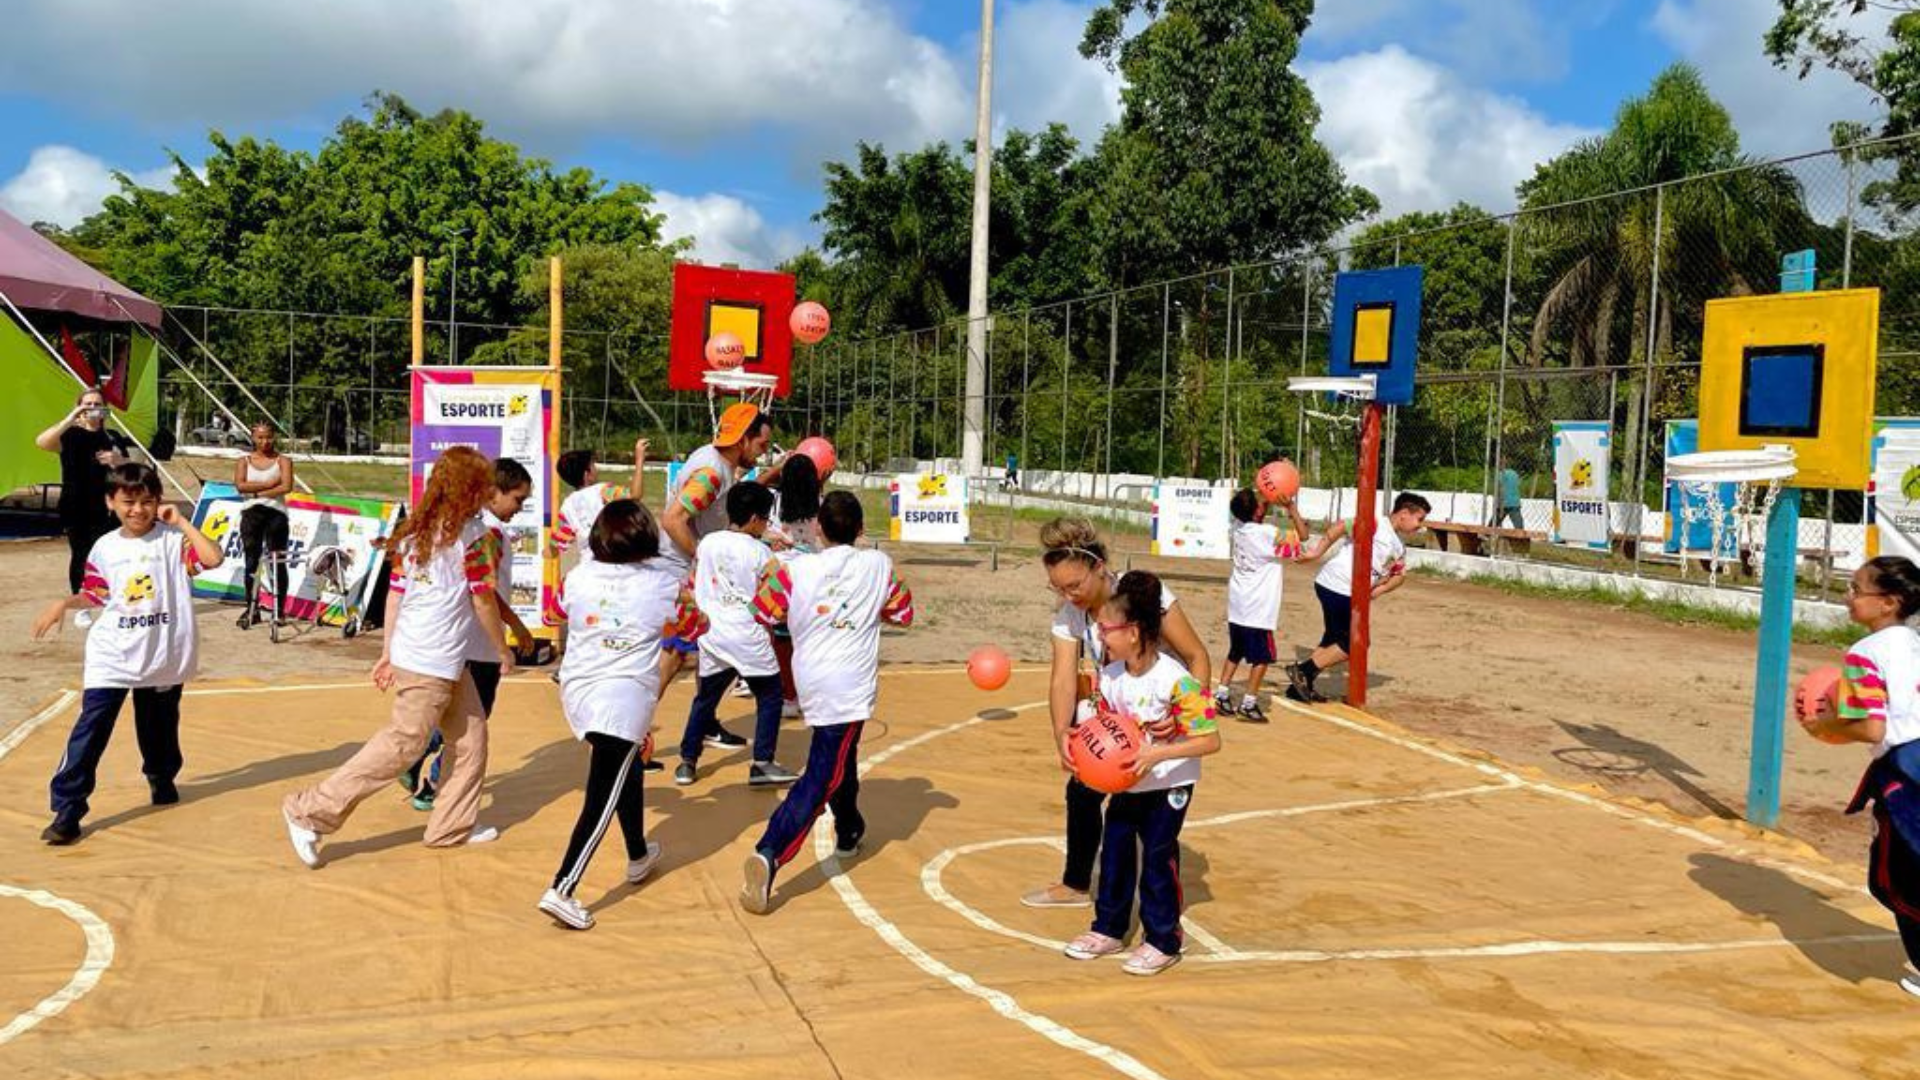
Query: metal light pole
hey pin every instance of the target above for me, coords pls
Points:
(974, 420)
(453, 298)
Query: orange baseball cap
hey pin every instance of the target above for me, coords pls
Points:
(734, 423)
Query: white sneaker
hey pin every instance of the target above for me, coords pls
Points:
(566, 911)
(306, 842)
(756, 891)
(1911, 984)
(483, 834)
(740, 689)
(789, 710)
(638, 869)
(83, 619)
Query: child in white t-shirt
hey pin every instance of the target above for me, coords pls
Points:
(582, 506)
(1879, 704)
(142, 641)
(446, 568)
(1142, 840)
(1253, 596)
(619, 605)
(512, 484)
(727, 571)
(834, 603)
(1334, 587)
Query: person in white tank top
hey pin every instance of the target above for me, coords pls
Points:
(263, 477)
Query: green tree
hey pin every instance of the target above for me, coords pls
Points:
(1834, 34)
(1214, 161)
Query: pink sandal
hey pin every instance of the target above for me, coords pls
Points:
(1093, 945)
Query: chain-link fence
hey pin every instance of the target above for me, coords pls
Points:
(1589, 310)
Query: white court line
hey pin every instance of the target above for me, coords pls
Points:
(99, 957)
(33, 723)
(1001, 1002)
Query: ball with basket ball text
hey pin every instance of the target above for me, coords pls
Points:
(1818, 697)
(725, 351)
(1277, 480)
(989, 667)
(820, 452)
(809, 322)
(1104, 749)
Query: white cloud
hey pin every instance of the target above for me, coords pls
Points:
(726, 229)
(63, 185)
(1485, 41)
(1039, 75)
(1344, 19)
(1420, 139)
(548, 72)
(1776, 112)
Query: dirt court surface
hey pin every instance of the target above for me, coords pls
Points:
(1467, 883)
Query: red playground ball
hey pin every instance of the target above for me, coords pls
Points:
(809, 322)
(1818, 695)
(989, 667)
(821, 451)
(1277, 480)
(1104, 750)
(725, 351)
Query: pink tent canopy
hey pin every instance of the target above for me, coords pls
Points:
(38, 275)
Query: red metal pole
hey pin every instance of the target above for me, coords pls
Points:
(1363, 529)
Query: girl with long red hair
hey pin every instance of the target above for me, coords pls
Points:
(445, 566)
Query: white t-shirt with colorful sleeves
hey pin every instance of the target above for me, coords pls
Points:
(1253, 586)
(578, 512)
(1165, 690)
(616, 617)
(1882, 673)
(1072, 624)
(726, 578)
(144, 636)
(1389, 558)
(702, 493)
(435, 626)
(479, 647)
(833, 603)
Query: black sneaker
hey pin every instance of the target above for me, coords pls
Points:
(247, 619)
(1251, 712)
(722, 739)
(846, 847)
(63, 831)
(770, 774)
(683, 773)
(1301, 689)
(164, 793)
(654, 765)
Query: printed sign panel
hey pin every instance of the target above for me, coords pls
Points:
(1191, 521)
(929, 508)
(313, 521)
(1580, 452)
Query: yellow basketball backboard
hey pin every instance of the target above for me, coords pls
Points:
(1797, 370)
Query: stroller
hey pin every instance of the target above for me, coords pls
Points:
(331, 568)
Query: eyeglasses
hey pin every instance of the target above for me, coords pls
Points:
(1074, 588)
(1108, 628)
(1854, 590)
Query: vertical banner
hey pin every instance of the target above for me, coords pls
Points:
(1581, 449)
(501, 412)
(313, 521)
(1191, 521)
(1893, 494)
(928, 508)
(1689, 524)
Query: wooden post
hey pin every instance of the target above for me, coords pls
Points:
(1364, 527)
(555, 319)
(419, 353)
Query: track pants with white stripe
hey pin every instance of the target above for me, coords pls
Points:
(1142, 847)
(613, 790)
(831, 779)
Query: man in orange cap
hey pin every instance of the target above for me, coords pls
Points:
(698, 506)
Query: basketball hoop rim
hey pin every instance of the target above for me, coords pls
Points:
(1766, 464)
(1356, 387)
(738, 380)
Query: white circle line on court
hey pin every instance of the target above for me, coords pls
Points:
(33, 723)
(99, 957)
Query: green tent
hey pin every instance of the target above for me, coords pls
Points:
(42, 282)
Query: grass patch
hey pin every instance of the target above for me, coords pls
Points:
(1669, 611)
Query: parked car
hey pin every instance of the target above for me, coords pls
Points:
(208, 435)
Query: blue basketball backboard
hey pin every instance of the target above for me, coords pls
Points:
(1376, 329)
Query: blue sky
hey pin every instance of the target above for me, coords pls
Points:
(726, 108)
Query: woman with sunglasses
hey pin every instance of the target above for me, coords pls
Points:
(1077, 571)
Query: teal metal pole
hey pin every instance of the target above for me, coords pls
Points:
(1776, 646)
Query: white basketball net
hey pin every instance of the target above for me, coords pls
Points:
(1756, 477)
(752, 387)
(1329, 428)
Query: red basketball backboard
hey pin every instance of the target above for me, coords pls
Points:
(752, 304)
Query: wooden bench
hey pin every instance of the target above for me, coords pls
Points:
(1477, 539)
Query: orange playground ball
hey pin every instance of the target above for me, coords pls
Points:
(1277, 480)
(989, 667)
(725, 351)
(809, 322)
(821, 453)
(1818, 695)
(1104, 751)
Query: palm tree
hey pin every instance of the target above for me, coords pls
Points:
(1595, 250)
